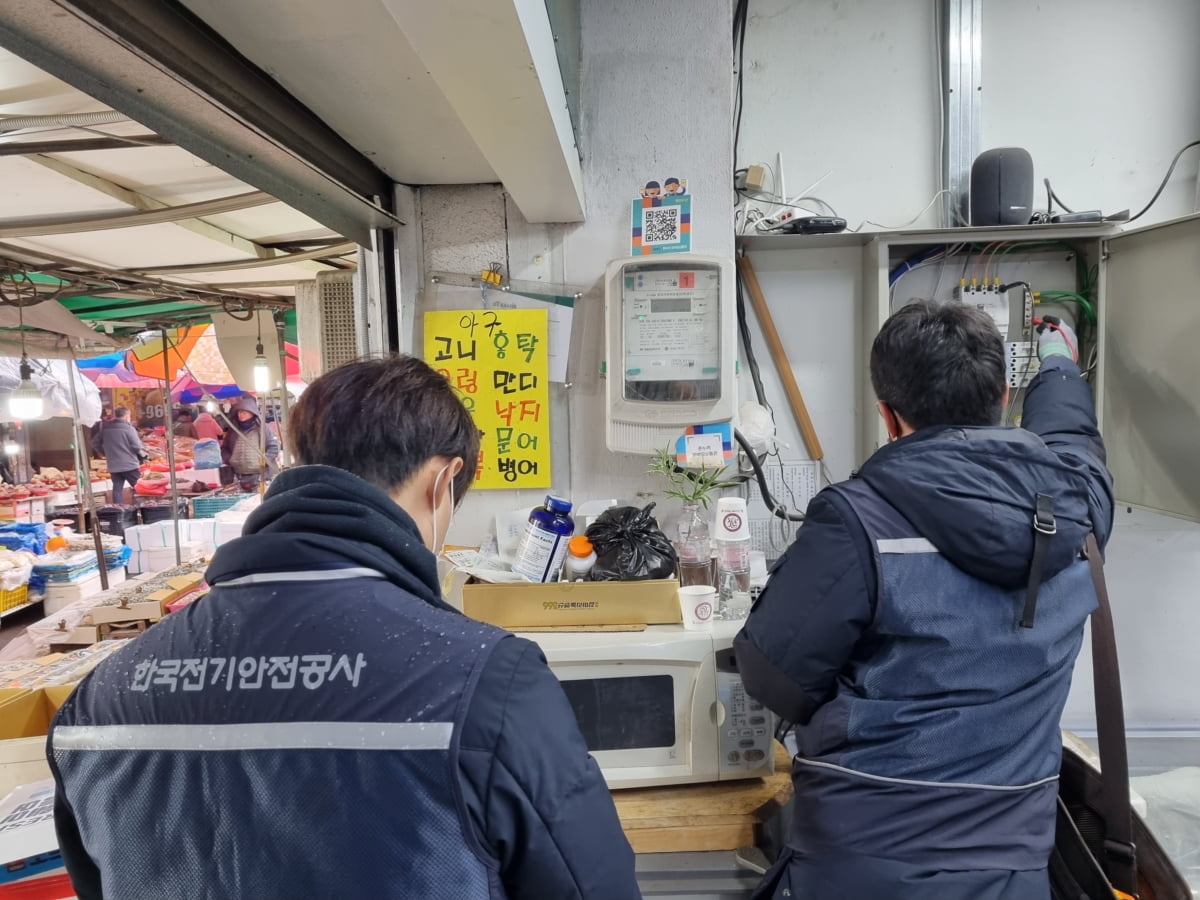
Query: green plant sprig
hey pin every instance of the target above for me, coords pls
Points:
(688, 485)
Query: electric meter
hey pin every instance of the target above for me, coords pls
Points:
(671, 348)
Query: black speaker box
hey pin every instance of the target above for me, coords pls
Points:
(1002, 187)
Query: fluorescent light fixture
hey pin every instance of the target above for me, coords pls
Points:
(11, 447)
(210, 406)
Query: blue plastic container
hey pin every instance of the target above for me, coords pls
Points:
(544, 544)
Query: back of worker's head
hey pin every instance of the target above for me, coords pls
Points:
(121, 412)
(940, 364)
(384, 420)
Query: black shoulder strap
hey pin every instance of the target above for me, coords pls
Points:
(1120, 862)
(1044, 528)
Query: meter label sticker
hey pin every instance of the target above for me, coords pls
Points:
(694, 449)
(704, 450)
(662, 219)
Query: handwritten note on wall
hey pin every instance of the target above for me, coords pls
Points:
(498, 361)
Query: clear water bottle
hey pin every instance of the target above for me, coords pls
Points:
(732, 543)
(544, 543)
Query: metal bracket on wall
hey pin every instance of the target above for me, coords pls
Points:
(962, 29)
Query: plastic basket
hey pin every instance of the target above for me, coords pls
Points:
(13, 599)
(207, 507)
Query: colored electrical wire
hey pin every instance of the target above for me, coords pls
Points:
(1088, 311)
(1063, 334)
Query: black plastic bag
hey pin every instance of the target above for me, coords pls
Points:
(630, 546)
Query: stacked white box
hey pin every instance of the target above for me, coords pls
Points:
(61, 594)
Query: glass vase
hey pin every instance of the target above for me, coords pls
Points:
(693, 546)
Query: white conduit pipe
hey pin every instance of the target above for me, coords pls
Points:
(20, 123)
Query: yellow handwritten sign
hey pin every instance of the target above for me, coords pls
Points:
(498, 360)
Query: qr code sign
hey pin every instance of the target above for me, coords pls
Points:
(660, 225)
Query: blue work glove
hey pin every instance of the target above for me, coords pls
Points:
(1057, 338)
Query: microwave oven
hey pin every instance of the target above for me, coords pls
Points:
(662, 706)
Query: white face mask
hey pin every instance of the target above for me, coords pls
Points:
(437, 482)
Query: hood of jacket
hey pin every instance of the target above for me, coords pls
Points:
(320, 517)
(971, 492)
(247, 403)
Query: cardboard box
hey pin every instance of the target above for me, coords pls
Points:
(515, 606)
(25, 716)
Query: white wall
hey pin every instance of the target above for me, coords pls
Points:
(1101, 92)
(847, 92)
(1152, 568)
(656, 100)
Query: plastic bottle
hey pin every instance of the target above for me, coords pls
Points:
(732, 544)
(581, 556)
(544, 543)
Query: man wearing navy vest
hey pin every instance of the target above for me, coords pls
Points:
(920, 632)
(323, 724)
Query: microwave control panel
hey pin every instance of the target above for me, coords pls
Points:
(749, 727)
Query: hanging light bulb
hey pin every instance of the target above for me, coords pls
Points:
(26, 401)
(11, 447)
(262, 371)
(211, 406)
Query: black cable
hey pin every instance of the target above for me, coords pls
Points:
(747, 346)
(1166, 178)
(761, 477)
(740, 13)
(1052, 198)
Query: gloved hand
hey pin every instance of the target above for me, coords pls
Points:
(1057, 338)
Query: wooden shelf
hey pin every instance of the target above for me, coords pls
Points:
(721, 815)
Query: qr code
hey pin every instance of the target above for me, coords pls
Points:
(660, 225)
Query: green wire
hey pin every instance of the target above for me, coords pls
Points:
(1089, 311)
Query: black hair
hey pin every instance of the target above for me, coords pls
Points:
(671, 181)
(382, 419)
(652, 184)
(940, 364)
(121, 412)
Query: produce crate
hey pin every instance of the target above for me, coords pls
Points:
(207, 507)
(13, 599)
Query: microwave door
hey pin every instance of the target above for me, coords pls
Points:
(646, 722)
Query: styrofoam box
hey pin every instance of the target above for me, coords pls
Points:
(162, 534)
(59, 595)
(227, 531)
(158, 559)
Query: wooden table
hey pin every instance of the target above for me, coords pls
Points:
(715, 816)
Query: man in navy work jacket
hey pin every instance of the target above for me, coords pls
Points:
(323, 724)
(921, 630)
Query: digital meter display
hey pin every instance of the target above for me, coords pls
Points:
(672, 332)
(670, 305)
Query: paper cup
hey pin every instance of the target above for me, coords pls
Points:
(696, 604)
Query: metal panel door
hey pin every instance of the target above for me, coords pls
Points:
(1150, 365)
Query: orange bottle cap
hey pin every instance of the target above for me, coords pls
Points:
(579, 546)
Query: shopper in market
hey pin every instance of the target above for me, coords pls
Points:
(251, 454)
(208, 428)
(184, 426)
(922, 629)
(323, 723)
(120, 444)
